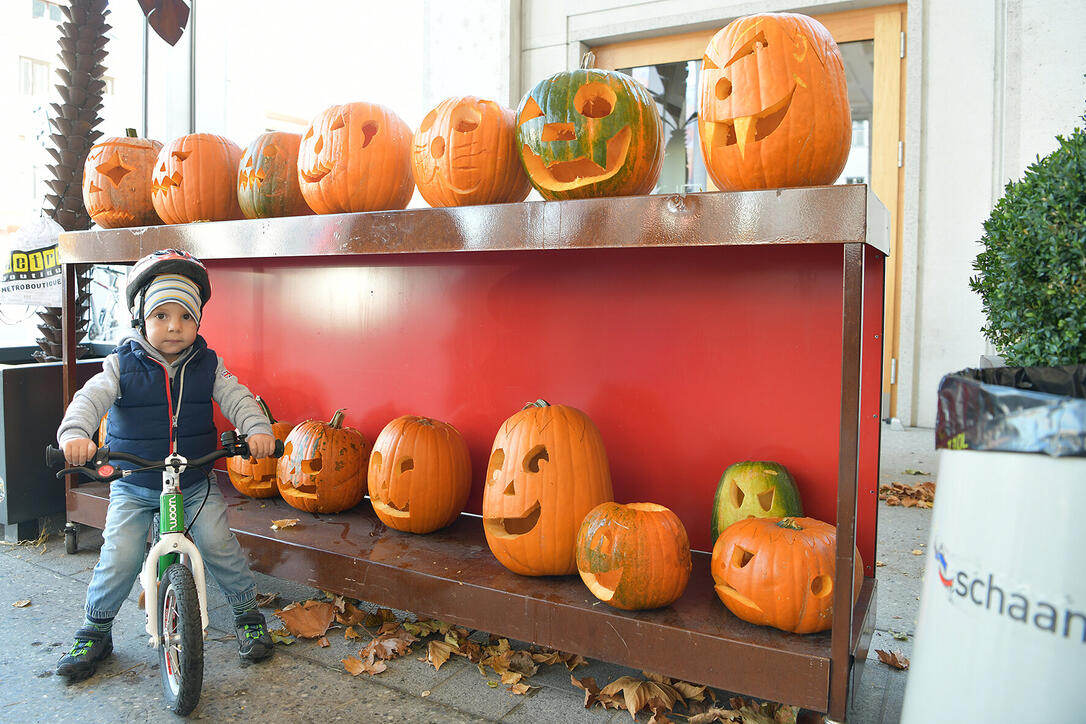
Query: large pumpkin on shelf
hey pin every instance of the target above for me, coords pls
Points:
(754, 488)
(194, 179)
(117, 181)
(547, 469)
(589, 133)
(780, 572)
(633, 556)
(419, 474)
(259, 478)
(356, 157)
(773, 108)
(465, 152)
(268, 177)
(323, 467)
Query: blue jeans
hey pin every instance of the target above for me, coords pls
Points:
(128, 519)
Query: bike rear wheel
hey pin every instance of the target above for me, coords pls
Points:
(181, 655)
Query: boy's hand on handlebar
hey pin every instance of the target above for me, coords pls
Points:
(81, 450)
(261, 446)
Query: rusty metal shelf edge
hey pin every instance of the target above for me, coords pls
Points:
(821, 214)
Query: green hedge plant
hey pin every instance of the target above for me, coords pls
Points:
(1031, 275)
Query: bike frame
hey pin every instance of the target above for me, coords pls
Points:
(171, 544)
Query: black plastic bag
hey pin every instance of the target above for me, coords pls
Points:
(1014, 409)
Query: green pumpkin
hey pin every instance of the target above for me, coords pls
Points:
(588, 133)
(268, 177)
(754, 489)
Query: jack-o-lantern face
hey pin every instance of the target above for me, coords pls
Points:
(773, 107)
(419, 474)
(117, 182)
(465, 153)
(780, 572)
(356, 157)
(634, 556)
(589, 133)
(194, 179)
(268, 177)
(323, 467)
(756, 489)
(548, 468)
(258, 478)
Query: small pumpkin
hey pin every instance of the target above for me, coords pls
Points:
(754, 488)
(633, 556)
(588, 133)
(773, 105)
(780, 572)
(268, 177)
(419, 474)
(547, 469)
(465, 153)
(323, 467)
(356, 157)
(259, 478)
(194, 179)
(117, 181)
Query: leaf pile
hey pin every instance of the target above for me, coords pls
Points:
(908, 496)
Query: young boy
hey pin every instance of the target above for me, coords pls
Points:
(158, 386)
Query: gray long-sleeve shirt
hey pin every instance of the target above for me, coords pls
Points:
(94, 399)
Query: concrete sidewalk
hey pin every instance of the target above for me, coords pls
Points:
(307, 683)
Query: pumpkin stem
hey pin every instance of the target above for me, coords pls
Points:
(130, 132)
(588, 60)
(537, 403)
(789, 523)
(264, 407)
(337, 419)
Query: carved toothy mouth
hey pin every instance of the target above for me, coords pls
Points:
(742, 130)
(513, 527)
(316, 173)
(563, 175)
(111, 218)
(391, 509)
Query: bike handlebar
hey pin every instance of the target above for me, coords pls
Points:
(233, 445)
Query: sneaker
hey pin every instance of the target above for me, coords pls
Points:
(91, 646)
(254, 641)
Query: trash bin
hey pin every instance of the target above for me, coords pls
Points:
(1002, 629)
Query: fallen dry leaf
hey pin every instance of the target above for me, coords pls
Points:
(351, 633)
(390, 642)
(309, 620)
(438, 653)
(638, 694)
(917, 552)
(284, 523)
(893, 658)
(425, 627)
(350, 615)
(267, 600)
(909, 496)
(323, 642)
(519, 688)
(380, 618)
(358, 666)
(21, 604)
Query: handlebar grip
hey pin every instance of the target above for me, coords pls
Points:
(54, 456)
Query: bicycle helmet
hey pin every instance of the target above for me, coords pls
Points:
(163, 261)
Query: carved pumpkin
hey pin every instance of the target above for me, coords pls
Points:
(547, 469)
(356, 157)
(773, 107)
(323, 467)
(117, 181)
(259, 478)
(634, 556)
(419, 474)
(194, 179)
(268, 177)
(779, 572)
(465, 152)
(588, 133)
(754, 489)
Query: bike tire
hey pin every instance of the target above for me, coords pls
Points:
(181, 655)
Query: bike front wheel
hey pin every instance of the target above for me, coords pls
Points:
(181, 654)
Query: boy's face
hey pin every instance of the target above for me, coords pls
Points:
(171, 329)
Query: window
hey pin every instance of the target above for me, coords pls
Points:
(33, 77)
(47, 8)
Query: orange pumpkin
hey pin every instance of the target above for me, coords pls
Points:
(194, 179)
(323, 467)
(268, 177)
(259, 478)
(773, 107)
(779, 572)
(117, 181)
(547, 469)
(419, 474)
(634, 556)
(356, 157)
(465, 152)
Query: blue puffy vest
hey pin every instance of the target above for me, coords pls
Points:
(140, 419)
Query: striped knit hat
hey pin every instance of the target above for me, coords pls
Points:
(172, 288)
